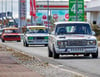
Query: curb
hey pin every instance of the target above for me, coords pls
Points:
(76, 74)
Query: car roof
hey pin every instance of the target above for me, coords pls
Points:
(70, 22)
(36, 27)
(9, 28)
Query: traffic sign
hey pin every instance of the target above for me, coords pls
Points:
(76, 8)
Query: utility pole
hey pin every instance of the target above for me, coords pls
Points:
(76, 10)
(12, 7)
(32, 15)
(48, 13)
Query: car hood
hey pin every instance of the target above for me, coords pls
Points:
(73, 37)
(36, 35)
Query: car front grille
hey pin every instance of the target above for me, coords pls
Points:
(11, 36)
(39, 38)
(76, 42)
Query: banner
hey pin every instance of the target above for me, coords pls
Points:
(32, 8)
(73, 10)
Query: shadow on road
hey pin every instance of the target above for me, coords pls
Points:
(77, 57)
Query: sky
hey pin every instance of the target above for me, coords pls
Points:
(15, 6)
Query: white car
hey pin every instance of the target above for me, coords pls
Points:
(36, 35)
(72, 38)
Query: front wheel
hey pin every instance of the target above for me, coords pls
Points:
(55, 55)
(25, 44)
(46, 45)
(95, 55)
(49, 52)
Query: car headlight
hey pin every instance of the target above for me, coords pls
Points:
(30, 38)
(91, 42)
(62, 44)
(46, 37)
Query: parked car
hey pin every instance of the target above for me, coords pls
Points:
(10, 34)
(35, 35)
(72, 38)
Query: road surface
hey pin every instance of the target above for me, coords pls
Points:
(85, 65)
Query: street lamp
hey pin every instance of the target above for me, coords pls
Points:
(48, 13)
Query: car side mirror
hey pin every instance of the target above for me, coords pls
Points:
(93, 33)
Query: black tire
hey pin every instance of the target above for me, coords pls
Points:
(3, 40)
(46, 45)
(26, 45)
(87, 54)
(18, 40)
(55, 55)
(49, 52)
(95, 55)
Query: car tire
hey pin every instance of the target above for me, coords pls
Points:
(55, 55)
(87, 54)
(95, 55)
(46, 45)
(18, 40)
(49, 52)
(3, 40)
(26, 45)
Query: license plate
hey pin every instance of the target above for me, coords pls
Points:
(74, 50)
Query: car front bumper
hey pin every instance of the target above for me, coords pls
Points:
(74, 50)
(37, 42)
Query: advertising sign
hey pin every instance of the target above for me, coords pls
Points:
(67, 16)
(55, 16)
(22, 12)
(32, 8)
(41, 16)
(76, 8)
(44, 17)
(60, 14)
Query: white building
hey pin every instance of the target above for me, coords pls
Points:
(93, 9)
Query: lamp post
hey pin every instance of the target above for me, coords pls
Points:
(12, 7)
(48, 13)
(76, 10)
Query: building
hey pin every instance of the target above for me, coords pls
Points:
(93, 12)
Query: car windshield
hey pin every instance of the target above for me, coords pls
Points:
(11, 31)
(73, 29)
(29, 31)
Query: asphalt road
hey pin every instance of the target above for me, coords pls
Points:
(85, 65)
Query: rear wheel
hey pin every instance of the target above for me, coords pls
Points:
(95, 55)
(55, 55)
(49, 52)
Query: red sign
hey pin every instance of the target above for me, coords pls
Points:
(44, 17)
(67, 16)
(55, 16)
(32, 8)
